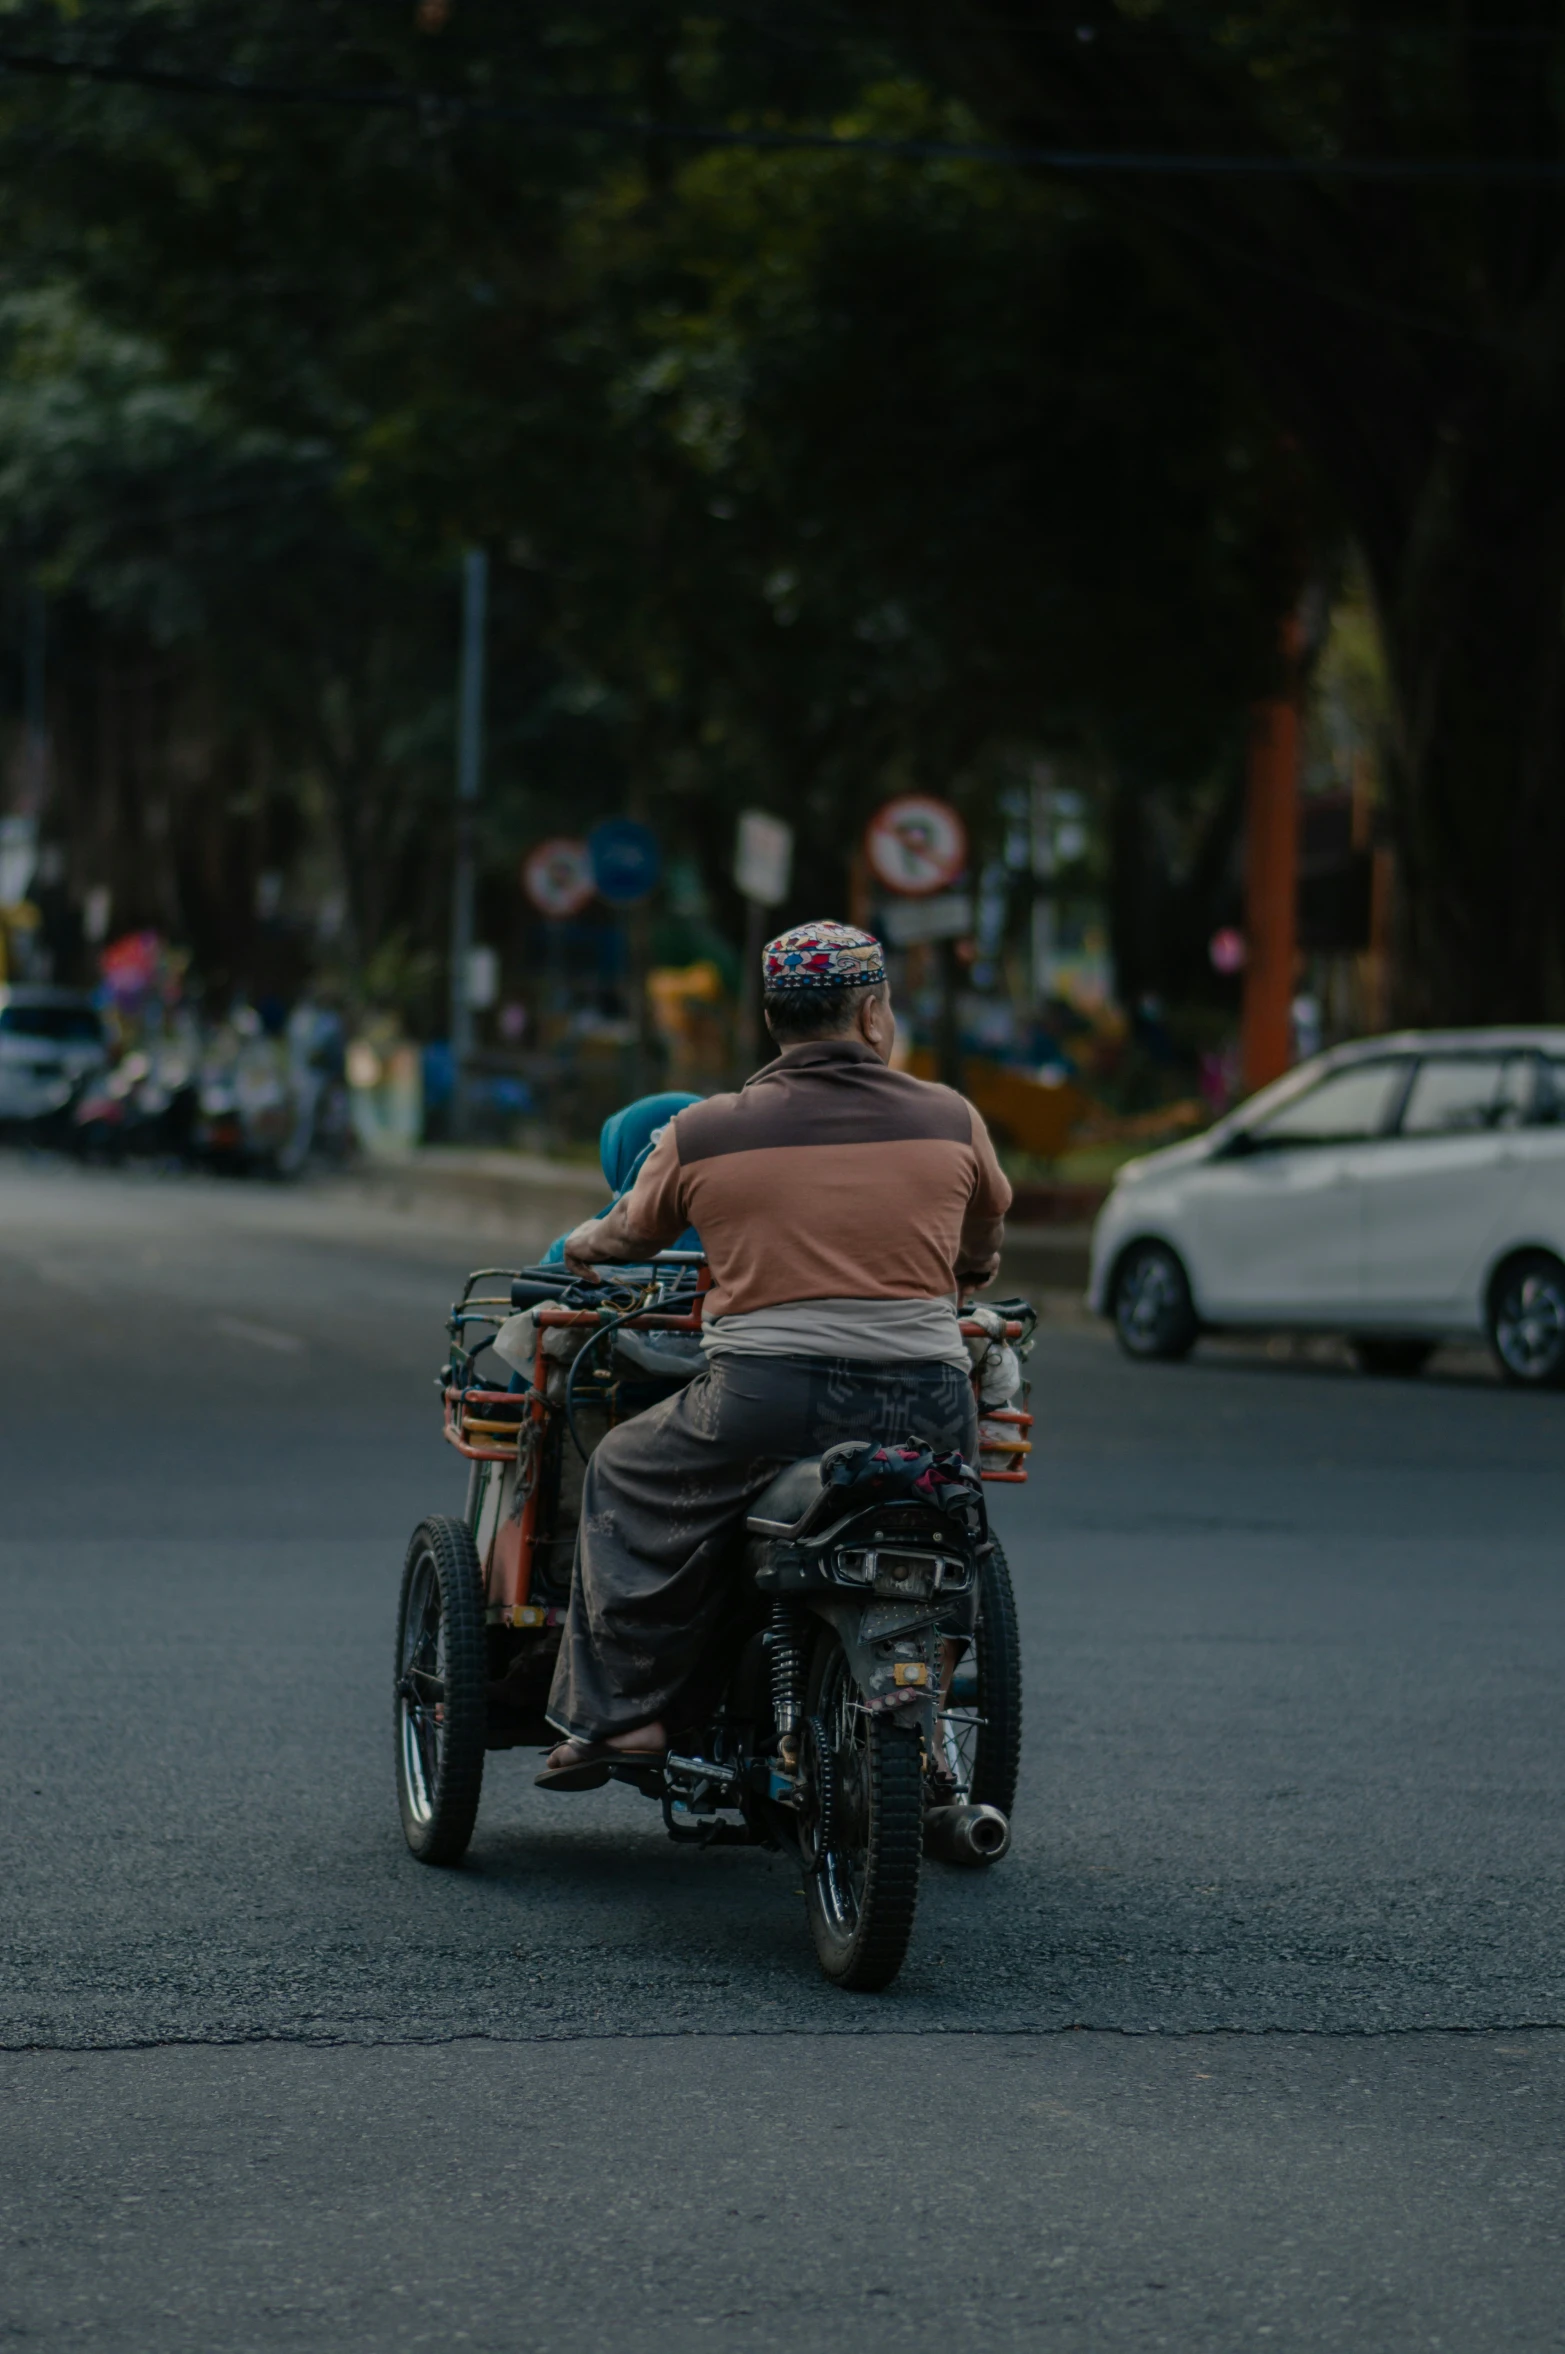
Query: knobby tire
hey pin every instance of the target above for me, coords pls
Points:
(864, 1955)
(998, 1646)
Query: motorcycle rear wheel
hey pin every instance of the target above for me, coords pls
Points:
(864, 1848)
(440, 1700)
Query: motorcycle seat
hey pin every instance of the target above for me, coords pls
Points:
(783, 1503)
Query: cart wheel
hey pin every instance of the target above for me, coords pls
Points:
(440, 1698)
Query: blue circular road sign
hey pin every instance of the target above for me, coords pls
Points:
(626, 860)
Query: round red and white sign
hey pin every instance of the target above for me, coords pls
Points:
(557, 876)
(916, 845)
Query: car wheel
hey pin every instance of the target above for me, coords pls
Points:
(1154, 1316)
(1372, 1354)
(1527, 1320)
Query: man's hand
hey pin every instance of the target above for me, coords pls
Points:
(597, 1239)
(974, 1278)
(582, 1247)
(978, 1260)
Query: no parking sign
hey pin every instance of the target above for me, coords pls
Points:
(916, 845)
(557, 876)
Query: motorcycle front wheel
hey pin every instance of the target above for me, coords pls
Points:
(862, 1833)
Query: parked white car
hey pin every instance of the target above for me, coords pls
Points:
(1401, 1190)
(51, 1043)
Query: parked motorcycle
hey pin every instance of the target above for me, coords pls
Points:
(843, 1712)
(269, 1101)
(144, 1108)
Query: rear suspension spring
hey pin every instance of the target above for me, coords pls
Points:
(783, 1643)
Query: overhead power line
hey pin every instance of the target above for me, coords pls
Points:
(575, 122)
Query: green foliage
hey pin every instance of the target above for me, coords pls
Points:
(808, 476)
(1392, 278)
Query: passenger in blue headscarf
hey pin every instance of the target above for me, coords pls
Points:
(624, 1142)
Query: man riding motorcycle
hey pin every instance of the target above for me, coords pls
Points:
(842, 1206)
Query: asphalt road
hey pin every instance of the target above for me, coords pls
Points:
(1257, 2039)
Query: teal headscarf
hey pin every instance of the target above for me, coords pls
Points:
(623, 1144)
(626, 1137)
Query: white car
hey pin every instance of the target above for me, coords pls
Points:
(1401, 1190)
(51, 1043)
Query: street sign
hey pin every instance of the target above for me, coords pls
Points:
(557, 876)
(948, 915)
(626, 860)
(763, 858)
(916, 845)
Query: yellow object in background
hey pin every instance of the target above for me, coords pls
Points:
(1035, 1116)
(17, 920)
(689, 1008)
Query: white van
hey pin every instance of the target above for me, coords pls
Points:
(1401, 1190)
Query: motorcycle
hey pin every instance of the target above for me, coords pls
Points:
(144, 1108)
(861, 1706)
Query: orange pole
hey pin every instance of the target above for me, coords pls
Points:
(1271, 867)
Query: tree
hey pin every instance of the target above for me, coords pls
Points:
(815, 475)
(209, 558)
(956, 480)
(1393, 277)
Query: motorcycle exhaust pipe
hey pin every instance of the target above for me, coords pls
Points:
(969, 1835)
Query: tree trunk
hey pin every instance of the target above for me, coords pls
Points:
(1161, 914)
(1473, 614)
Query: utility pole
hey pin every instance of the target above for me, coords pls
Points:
(469, 772)
(1271, 866)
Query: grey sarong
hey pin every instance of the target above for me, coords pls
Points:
(664, 1497)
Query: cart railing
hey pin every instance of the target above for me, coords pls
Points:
(485, 1424)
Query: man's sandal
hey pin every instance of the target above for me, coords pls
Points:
(593, 1765)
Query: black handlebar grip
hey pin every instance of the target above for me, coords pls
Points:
(531, 1291)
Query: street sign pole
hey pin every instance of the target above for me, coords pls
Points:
(917, 849)
(763, 869)
(469, 771)
(750, 989)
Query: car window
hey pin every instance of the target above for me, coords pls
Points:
(1346, 1107)
(1518, 1099)
(67, 1025)
(1551, 1093)
(1467, 1094)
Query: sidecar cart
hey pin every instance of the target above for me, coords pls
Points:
(483, 1596)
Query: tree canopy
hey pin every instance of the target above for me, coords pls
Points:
(1368, 205)
(808, 474)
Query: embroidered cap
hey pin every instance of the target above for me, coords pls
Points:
(823, 956)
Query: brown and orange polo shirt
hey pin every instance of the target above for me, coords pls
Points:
(832, 1180)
